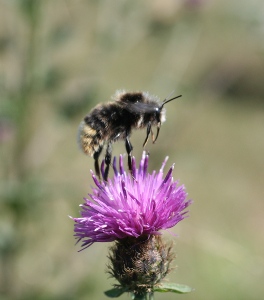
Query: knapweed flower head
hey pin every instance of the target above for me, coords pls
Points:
(131, 205)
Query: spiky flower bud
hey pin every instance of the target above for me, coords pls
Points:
(139, 264)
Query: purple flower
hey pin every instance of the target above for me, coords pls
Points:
(128, 205)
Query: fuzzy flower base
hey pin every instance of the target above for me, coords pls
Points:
(140, 264)
(131, 205)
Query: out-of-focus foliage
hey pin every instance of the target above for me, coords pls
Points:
(60, 58)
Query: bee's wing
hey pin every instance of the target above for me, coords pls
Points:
(142, 108)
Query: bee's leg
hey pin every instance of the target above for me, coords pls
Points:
(129, 149)
(157, 134)
(148, 132)
(108, 157)
(96, 162)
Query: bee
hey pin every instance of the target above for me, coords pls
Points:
(115, 120)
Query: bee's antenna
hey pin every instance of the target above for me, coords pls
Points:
(168, 100)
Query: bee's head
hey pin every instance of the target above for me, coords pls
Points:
(160, 114)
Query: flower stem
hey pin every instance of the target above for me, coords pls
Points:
(144, 296)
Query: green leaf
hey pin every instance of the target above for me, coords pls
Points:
(115, 292)
(173, 287)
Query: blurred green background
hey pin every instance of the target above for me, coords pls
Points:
(60, 58)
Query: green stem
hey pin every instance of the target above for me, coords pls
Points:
(145, 296)
(151, 296)
(140, 297)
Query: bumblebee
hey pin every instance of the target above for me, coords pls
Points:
(115, 120)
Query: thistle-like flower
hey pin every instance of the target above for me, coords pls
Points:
(128, 205)
(132, 209)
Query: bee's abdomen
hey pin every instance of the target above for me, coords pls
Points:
(89, 139)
